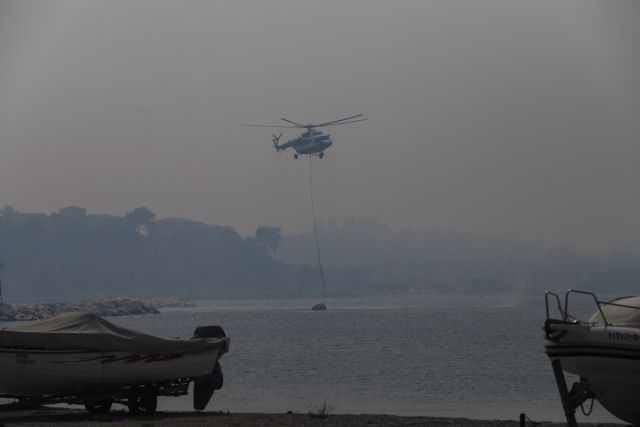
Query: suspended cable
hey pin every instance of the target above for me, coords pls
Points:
(315, 233)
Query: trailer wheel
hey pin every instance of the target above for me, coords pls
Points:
(98, 406)
(142, 402)
(28, 403)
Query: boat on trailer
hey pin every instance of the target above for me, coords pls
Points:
(603, 351)
(82, 358)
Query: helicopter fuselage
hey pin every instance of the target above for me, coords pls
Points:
(310, 142)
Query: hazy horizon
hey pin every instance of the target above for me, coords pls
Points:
(487, 117)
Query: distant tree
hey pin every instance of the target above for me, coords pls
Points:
(270, 237)
(8, 211)
(140, 216)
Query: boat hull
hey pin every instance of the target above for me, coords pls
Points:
(40, 372)
(608, 357)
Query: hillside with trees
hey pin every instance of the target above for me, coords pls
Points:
(71, 254)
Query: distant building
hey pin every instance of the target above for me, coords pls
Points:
(176, 226)
(34, 222)
(72, 212)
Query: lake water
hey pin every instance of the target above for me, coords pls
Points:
(437, 354)
(450, 355)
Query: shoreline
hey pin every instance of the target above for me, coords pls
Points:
(62, 417)
(113, 307)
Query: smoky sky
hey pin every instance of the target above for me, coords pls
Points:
(483, 116)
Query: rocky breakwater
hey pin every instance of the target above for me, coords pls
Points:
(170, 302)
(38, 311)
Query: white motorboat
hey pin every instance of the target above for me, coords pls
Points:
(83, 358)
(603, 351)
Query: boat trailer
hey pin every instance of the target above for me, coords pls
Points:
(141, 399)
(580, 392)
(571, 399)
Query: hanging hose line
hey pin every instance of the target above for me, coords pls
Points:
(315, 233)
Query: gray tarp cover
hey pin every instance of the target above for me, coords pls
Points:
(86, 331)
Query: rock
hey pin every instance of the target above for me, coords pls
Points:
(7, 312)
(118, 307)
(170, 302)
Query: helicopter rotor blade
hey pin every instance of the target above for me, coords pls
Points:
(271, 126)
(297, 125)
(336, 121)
(342, 123)
(289, 121)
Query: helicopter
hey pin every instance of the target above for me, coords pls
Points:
(312, 142)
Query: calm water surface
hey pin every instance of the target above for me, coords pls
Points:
(451, 355)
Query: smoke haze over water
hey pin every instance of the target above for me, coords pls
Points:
(489, 116)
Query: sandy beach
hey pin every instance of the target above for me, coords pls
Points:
(64, 417)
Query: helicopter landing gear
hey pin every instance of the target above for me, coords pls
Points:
(295, 156)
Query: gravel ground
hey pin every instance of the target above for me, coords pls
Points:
(64, 417)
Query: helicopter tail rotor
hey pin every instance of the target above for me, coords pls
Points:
(275, 140)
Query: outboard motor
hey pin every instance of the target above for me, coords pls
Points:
(211, 331)
(203, 387)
